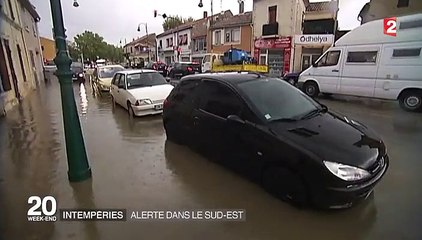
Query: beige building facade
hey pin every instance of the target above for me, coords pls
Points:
(379, 9)
(20, 52)
(275, 23)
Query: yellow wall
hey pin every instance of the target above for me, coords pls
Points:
(48, 48)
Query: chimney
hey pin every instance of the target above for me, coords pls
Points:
(241, 7)
(205, 14)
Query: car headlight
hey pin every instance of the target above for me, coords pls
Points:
(81, 75)
(346, 172)
(143, 102)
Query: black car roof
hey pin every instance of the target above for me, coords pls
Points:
(229, 78)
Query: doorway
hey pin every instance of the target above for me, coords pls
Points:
(12, 68)
(308, 59)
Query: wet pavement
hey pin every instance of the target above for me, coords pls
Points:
(134, 167)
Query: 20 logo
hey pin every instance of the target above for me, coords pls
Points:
(43, 203)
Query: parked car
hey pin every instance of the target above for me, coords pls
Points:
(181, 69)
(291, 78)
(141, 92)
(77, 69)
(103, 76)
(273, 133)
(372, 65)
(158, 66)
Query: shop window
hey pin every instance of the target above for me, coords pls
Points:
(362, 57)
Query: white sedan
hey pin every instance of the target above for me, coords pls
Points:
(142, 92)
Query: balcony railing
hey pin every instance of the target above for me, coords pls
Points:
(270, 29)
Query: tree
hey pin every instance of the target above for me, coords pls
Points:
(175, 21)
(93, 45)
(73, 52)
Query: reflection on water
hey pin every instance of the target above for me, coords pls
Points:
(84, 99)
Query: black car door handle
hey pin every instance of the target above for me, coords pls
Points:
(335, 70)
(195, 120)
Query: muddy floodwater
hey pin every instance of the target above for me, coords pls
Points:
(135, 168)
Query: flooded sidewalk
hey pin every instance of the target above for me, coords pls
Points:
(135, 168)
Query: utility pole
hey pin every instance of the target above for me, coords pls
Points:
(146, 30)
(77, 159)
(335, 20)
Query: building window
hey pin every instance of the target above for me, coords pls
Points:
(5, 80)
(272, 14)
(200, 45)
(402, 3)
(410, 52)
(362, 57)
(217, 37)
(161, 44)
(183, 39)
(131, 49)
(169, 42)
(232, 35)
(21, 62)
(12, 14)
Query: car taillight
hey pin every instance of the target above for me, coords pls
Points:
(166, 103)
(190, 69)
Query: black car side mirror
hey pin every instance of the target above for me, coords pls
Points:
(168, 79)
(235, 119)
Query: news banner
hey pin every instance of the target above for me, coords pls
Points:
(45, 210)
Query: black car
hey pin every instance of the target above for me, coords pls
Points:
(158, 66)
(181, 69)
(271, 132)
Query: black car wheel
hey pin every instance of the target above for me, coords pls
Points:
(411, 101)
(285, 185)
(171, 134)
(311, 89)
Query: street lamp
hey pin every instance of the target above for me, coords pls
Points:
(77, 159)
(146, 30)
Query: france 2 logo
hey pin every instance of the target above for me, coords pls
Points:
(390, 26)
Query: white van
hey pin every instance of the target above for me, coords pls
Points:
(208, 60)
(366, 62)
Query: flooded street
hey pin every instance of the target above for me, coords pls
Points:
(135, 168)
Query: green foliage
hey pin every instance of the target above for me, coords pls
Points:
(93, 46)
(175, 21)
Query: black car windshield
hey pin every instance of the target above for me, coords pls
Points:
(147, 79)
(108, 72)
(277, 100)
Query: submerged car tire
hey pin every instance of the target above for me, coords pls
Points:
(311, 89)
(130, 109)
(411, 101)
(113, 103)
(285, 185)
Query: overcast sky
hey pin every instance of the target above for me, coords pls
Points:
(117, 20)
